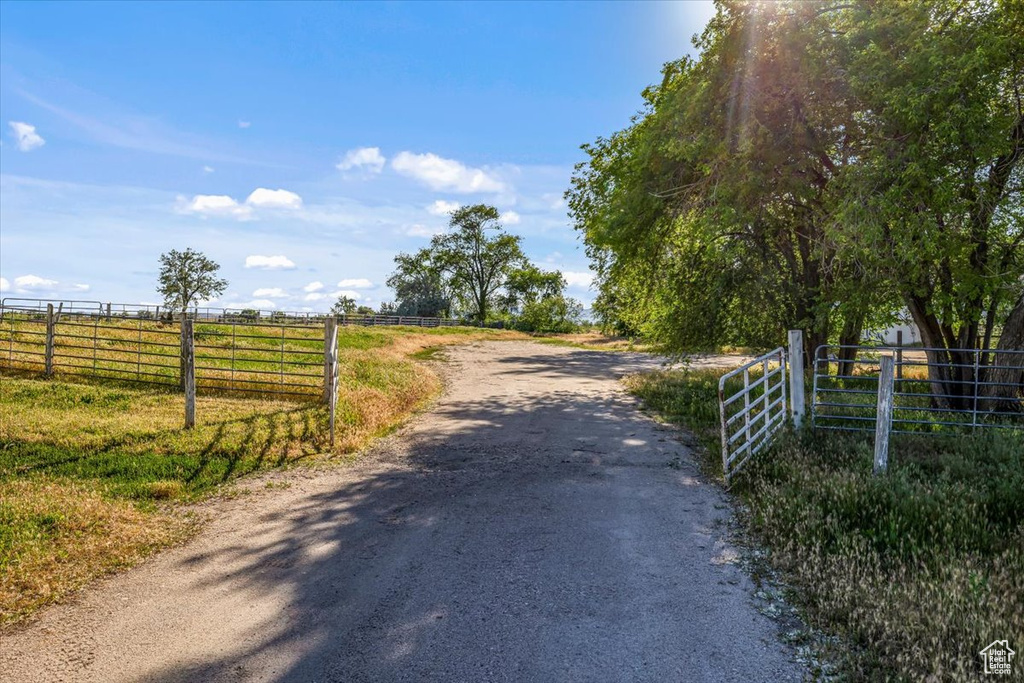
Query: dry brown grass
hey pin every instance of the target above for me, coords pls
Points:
(69, 534)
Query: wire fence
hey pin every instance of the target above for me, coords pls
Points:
(933, 390)
(120, 311)
(125, 344)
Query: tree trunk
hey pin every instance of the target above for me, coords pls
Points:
(849, 337)
(1006, 393)
(939, 361)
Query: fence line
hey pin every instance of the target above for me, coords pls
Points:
(112, 311)
(250, 358)
(928, 397)
(885, 390)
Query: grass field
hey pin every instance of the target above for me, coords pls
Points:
(917, 570)
(92, 471)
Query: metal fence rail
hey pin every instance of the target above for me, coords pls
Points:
(752, 412)
(132, 351)
(987, 392)
(260, 358)
(80, 339)
(112, 311)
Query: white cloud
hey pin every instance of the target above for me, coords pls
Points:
(255, 303)
(364, 158)
(80, 288)
(313, 287)
(223, 205)
(269, 262)
(215, 205)
(419, 230)
(208, 169)
(554, 200)
(273, 292)
(356, 283)
(274, 199)
(244, 124)
(316, 296)
(350, 293)
(577, 278)
(442, 208)
(510, 218)
(445, 174)
(4, 284)
(34, 282)
(25, 136)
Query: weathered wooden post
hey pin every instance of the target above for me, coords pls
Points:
(51, 324)
(797, 405)
(188, 368)
(883, 419)
(331, 370)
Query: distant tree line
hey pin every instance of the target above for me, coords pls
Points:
(476, 270)
(822, 166)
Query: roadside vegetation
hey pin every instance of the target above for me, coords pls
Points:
(916, 570)
(832, 167)
(92, 475)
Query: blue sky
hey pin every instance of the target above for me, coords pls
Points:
(302, 146)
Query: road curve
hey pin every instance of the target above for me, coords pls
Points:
(532, 526)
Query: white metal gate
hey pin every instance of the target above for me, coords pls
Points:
(752, 413)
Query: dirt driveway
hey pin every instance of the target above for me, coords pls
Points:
(533, 526)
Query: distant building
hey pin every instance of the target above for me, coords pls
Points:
(888, 335)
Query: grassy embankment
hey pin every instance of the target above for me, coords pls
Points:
(917, 570)
(90, 472)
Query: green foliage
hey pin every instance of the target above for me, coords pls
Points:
(882, 560)
(478, 270)
(477, 265)
(819, 166)
(558, 314)
(528, 284)
(345, 305)
(187, 277)
(420, 285)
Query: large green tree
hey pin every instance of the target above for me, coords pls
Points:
(477, 256)
(821, 165)
(420, 285)
(933, 204)
(709, 214)
(187, 277)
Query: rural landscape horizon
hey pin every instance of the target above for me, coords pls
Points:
(302, 167)
(512, 341)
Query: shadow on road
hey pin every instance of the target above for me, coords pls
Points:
(527, 536)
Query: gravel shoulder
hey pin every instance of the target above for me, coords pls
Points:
(532, 526)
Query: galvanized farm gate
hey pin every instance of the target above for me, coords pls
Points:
(752, 413)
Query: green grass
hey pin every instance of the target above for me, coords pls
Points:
(431, 353)
(917, 570)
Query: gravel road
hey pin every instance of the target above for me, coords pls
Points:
(532, 526)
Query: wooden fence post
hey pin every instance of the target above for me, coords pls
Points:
(331, 370)
(883, 419)
(797, 405)
(51, 325)
(188, 368)
(108, 312)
